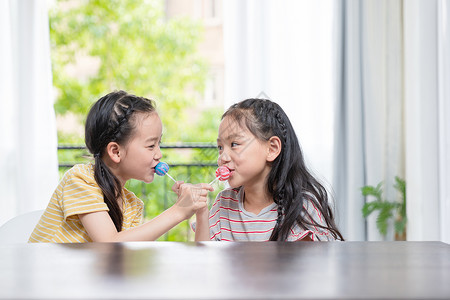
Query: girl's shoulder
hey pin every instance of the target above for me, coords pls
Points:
(316, 222)
(80, 169)
(312, 206)
(84, 172)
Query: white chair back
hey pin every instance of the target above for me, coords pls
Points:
(19, 229)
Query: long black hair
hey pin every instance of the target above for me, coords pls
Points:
(112, 119)
(289, 181)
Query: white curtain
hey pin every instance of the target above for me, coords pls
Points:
(443, 18)
(427, 101)
(283, 50)
(393, 112)
(369, 116)
(28, 158)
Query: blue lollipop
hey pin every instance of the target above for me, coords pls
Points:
(162, 168)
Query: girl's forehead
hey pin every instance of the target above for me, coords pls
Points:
(231, 127)
(148, 123)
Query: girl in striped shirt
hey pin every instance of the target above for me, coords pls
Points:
(272, 195)
(91, 204)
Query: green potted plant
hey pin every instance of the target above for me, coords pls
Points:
(387, 209)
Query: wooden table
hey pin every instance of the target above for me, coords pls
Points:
(221, 270)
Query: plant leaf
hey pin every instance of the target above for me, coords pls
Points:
(375, 191)
(369, 190)
(369, 208)
(400, 185)
(383, 217)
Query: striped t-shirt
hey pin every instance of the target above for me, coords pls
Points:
(78, 193)
(229, 221)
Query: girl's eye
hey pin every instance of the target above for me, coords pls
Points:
(234, 145)
(151, 147)
(219, 147)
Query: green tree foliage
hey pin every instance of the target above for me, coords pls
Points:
(137, 49)
(133, 46)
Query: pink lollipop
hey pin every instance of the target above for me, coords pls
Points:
(222, 174)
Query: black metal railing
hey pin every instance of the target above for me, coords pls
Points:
(210, 149)
(192, 163)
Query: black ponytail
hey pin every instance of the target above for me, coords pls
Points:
(111, 119)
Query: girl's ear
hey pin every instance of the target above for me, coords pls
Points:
(113, 151)
(274, 148)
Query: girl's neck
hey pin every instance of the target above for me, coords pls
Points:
(256, 199)
(115, 170)
(113, 167)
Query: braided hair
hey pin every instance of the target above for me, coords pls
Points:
(289, 181)
(112, 119)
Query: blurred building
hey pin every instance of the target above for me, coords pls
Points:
(209, 12)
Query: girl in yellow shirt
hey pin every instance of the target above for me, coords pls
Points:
(123, 132)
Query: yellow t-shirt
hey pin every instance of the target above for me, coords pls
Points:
(78, 193)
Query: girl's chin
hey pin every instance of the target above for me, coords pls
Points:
(233, 184)
(149, 179)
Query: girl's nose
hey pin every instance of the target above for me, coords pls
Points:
(223, 158)
(158, 154)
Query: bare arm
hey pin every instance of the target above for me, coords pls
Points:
(191, 198)
(202, 225)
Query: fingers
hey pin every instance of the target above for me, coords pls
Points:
(205, 186)
(176, 187)
(192, 197)
(201, 204)
(195, 192)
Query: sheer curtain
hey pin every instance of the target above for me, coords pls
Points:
(369, 109)
(283, 50)
(392, 116)
(28, 158)
(444, 116)
(427, 78)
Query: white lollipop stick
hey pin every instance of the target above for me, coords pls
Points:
(215, 179)
(171, 177)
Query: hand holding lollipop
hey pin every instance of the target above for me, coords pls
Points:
(222, 174)
(162, 168)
